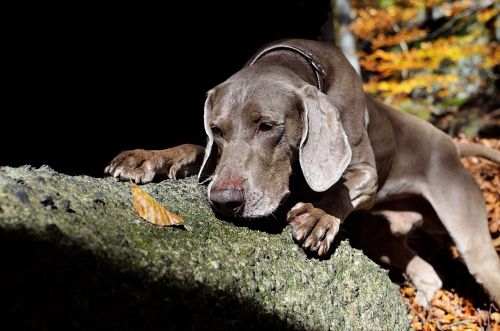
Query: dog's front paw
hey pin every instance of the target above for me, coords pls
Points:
(312, 227)
(141, 166)
(137, 165)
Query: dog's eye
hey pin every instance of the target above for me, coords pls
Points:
(264, 127)
(216, 131)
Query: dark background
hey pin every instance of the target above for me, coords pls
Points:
(85, 80)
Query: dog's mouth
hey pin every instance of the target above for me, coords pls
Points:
(235, 211)
(255, 207)
(271, 221)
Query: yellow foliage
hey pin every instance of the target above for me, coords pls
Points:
(456, 7)
(397, 86)
(493, 57)
(372, 21)
(383, 40)
(430, 55)
(485, 15)
(402, 61)
(420, 3)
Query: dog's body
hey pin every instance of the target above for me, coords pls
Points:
(300, 100)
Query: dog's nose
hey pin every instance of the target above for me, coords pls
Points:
(227, 201)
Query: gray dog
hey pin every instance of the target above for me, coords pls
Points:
(301, 101)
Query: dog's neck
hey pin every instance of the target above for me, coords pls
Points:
(308, 56)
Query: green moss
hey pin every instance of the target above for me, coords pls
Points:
(249, 277)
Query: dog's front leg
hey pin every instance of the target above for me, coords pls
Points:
(314, 225)
(141, 166)
(361, 183)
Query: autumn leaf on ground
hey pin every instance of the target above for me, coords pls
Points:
(150, 210)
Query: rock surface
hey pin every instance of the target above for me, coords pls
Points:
(75, 254)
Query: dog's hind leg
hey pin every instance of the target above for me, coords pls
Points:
(458, 202)
(382, 235)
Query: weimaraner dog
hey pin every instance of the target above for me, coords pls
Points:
(299, 102)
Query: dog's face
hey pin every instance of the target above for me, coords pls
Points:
(257, 128)
(256, 131)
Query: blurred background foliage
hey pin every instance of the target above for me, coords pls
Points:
(437, 59)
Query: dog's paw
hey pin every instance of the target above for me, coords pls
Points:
(137, 165)
(141, 166)
(312, 227)
(424, 278)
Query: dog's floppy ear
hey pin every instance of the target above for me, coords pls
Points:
(324, 150)
(210, 159)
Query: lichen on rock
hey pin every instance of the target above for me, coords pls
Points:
(74, 245)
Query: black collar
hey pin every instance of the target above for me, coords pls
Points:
(318, 71)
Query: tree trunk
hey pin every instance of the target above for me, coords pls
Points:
(346, 39)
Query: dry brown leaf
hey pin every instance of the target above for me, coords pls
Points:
(416, 326)
(438, 312)
(409, 291)
(150, 210)
(494, 226)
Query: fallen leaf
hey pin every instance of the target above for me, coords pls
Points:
(438, 312)
(417, 326)
(409, 291)
(150, 210)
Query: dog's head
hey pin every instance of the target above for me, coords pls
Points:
(257, 127)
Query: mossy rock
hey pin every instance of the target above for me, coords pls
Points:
(76, 255)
